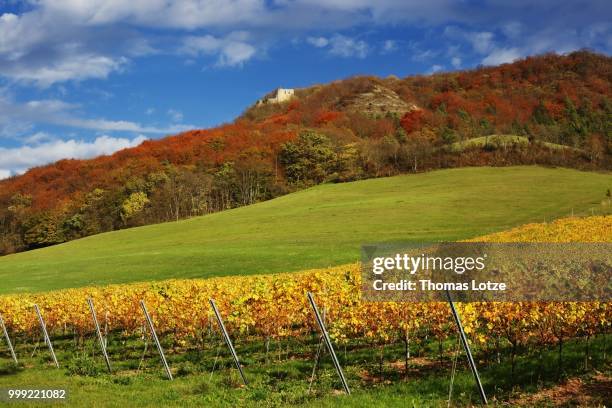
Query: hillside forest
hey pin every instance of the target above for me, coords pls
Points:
(552, 110)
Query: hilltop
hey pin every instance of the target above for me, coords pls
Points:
(550, 109)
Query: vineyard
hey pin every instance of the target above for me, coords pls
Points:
(273, 308)
(271, 312)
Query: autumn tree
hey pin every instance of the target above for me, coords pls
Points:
(309, 160)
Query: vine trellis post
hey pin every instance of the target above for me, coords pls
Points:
(328, 343)
(99, 334)
(43, 328)
(8, 341)
(156, 340)
(466, 347)
(228, 340)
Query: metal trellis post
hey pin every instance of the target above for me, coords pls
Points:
(8, 340)
(155, 339)
(46, 335)
(228, 341)
(99, 334)
(328, 343)
(466, 346)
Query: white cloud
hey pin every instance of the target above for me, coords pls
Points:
(421, 56)
(456, 62)
(236, 53)
(57, 41)
(318, 42)
(481, 41)
(42, 48)
(232, 50)
(348, 47)
(72, 67)
(389, 46)
(38, 137)
(417, 53)
(501, 56)
(512, 29)
(56, 112)
(17, 160)
(115, 125)
(185, 14)
(436, 68)
(341, 46)
(175, 115)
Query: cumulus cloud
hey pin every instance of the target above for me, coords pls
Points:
(39, 48)
(71, 67)
(17, 160)
(56, 41)
(233, 50)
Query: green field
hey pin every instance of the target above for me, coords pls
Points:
(205, 376)
(318, 227)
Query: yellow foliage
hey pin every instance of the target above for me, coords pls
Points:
(276, 305)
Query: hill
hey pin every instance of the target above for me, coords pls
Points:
(317, 227)
(347, 130)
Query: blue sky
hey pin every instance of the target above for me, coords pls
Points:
(80, 78)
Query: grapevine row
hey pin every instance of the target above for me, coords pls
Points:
(275, 306)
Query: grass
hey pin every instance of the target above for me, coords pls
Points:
(501, 141)
(205, 376)
(318, 227)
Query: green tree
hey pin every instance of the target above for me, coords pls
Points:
(42, 230)
(309, 160)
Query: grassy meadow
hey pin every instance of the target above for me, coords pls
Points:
(318, 227)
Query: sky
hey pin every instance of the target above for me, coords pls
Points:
(81, 78)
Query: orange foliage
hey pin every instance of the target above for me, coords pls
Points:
(325, 116)
(50, 184)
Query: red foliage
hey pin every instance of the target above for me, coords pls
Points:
(492, 98)
(554, 109)
(412, 120)
(325, 116)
